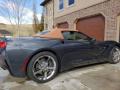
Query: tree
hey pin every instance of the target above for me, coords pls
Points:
(35, 18)
(42, 22)
(13, 10)
(37, 25)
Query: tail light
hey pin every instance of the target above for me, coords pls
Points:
(3, 44)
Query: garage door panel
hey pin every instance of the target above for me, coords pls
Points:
(92, 26)
(63, 25)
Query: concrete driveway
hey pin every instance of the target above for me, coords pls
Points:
(94, 77)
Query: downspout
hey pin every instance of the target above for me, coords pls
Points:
(53, 14)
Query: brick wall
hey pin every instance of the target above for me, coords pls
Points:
(109, 9)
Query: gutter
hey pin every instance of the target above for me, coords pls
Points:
(45, 2)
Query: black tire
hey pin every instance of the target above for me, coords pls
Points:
(30, 68)
(115, 51)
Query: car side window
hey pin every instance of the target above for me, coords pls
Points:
(72, 35)
(69, 35)
(80, 36)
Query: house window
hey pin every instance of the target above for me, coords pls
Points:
(61, 4)
(70, 2)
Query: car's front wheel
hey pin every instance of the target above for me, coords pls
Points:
(43, 67)
(115, 55)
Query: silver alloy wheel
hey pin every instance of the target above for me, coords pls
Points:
(116, 54)
(44, 67)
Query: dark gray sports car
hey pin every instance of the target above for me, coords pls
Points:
(42, 56)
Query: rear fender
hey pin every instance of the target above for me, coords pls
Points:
(27, 60)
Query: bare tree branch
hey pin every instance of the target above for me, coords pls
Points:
(13, 10)
(37, 26)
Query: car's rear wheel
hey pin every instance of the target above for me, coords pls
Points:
(115, 55)
(43, 67)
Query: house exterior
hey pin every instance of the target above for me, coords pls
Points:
(99, 19)
(48, 14)
(5, 33)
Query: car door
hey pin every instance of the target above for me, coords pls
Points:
(79, 49)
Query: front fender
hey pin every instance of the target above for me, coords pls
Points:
(110, 45)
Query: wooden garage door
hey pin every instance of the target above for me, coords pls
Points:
(92, 26)
(63, 25)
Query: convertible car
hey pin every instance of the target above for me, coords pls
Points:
(44, 55)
